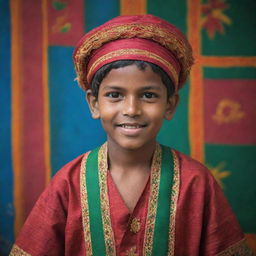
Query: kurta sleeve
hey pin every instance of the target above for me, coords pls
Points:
(205, 222)
(54, 226)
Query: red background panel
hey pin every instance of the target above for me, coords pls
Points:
(65, 22)
(230, 111)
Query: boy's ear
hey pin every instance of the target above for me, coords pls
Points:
(172, 103)
(93, 104)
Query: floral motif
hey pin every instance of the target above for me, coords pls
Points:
(131, 252)
(218, 173)
(61, 25)
(213, 17)
(228, 111)
(135, 225)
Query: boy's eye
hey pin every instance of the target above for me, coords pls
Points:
(113, 95)
(149, 95)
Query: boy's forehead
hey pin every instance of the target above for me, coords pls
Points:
(141, 37)
(132, 78)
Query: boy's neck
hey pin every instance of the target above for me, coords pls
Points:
(125, 160)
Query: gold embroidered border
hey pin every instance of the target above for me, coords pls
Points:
(152, 204)
(135, 52)
(104, 201)
(173, 206)
(240, 248)
(84, 207)
(17, 251)
(171, 40)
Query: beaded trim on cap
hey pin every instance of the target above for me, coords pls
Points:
(140, 26)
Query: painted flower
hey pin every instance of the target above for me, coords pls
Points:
(218, 173)
(213, 17)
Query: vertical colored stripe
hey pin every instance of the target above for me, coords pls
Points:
(32, 103)
(45, 77)
(97, 12)
(93, 192)
(133, 7)
(196, 128)
(161, 231)
(29, 114)
(6, 182)
(16, 112)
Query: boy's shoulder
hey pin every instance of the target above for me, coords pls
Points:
(68, 175)
(192, 170)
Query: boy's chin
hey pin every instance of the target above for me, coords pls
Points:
(132, 145)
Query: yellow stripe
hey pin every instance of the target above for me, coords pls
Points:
(17, 128)
(196, 122)
(47, 148)
(133, 7)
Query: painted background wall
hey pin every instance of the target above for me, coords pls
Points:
(44, 120)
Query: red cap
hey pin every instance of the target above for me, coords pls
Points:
(140, 37)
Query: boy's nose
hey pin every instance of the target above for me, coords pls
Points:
(131, 107)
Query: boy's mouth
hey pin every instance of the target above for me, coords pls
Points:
(131, 126)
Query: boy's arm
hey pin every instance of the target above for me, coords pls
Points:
(43, 231)
(54, 226)
(222, 234)
(205, 222)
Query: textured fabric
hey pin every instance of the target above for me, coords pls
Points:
(147, 27)
(134, 49)
(205, 224)
(45, 123)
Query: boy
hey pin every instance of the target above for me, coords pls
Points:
(132, 196)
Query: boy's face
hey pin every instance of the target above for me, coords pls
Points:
(132, 104)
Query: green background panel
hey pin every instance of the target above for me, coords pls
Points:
(98, 12)
(174, 133)
(238, 37)
(239, 187)
(170, 10)
(229, 73)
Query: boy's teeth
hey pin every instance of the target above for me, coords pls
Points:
(130, 126)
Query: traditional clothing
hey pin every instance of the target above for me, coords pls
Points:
(200, 221)
(138, 37)
(182, 211)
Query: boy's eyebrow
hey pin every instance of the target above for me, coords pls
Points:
(150, 87)
(114, 87)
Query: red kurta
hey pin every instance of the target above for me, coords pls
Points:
(204, 222)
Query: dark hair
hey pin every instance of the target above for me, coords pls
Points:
(103, 71)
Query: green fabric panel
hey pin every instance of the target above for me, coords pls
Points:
(161, 230)
(170, 10)
(98, 12)
(239, 186)
(175, 133)
(237, 37)
(93, 193)
(229, 73)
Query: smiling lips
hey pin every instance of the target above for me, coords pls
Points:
(131, 129)
(131, 126)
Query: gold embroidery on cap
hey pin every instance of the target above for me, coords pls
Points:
(121, 52)
(170, 40)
